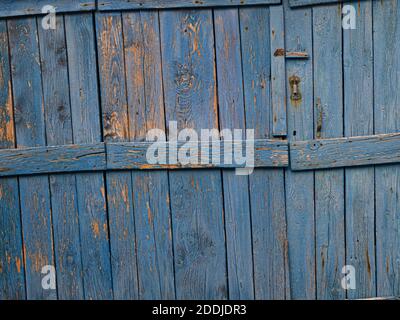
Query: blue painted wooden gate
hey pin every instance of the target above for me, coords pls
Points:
(76, 192)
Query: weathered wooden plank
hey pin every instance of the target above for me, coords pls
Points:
(197, 209)
(358, 117)
(162, 4)
(386, 15)
(294, 54)
(12, 278)
(328, 123)
(278, 71)
(64, 204)
(9, 8)
(345, 152)
(133, 155)
(151, 196)
(235, 188)
(30, 132)
(300, 186)
(12, 269)
(267, 196)
(300, 3)
(57, 159)
(95, 248)
(115, 128)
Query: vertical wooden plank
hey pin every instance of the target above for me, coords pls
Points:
(267, 191)
(235, 188)
(116, 129)
(12, 271)
(358, 116)
(59, 132)
(151, 189)
(300, 186)
(328, 123)
(386, 15)
(30, 132)
(95, 248)
(191, 100)
(278, 72)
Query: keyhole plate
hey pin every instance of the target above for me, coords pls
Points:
(295, 94)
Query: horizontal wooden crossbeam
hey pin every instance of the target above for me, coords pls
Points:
(304, 155)
(123, 156)
(167, 4)
(345, 152)
(300, 3)
(12, 8)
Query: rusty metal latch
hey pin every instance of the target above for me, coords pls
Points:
(294, 82)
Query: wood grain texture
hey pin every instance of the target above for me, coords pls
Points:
(155, 248)
(359, 120)
(57, 111)
(300, 3)
(85, 106)
(151, 196)
(267, 192)
(300, 186)
(12, 267)
(278, 71)
(197, 208)
(235, 188)
(386, 17)
(200, 234)
(162, 4)
(11, 8)
(345, 152)
(30, 132)
(56, 159)
(110, 48)
(133, 155)
(328, 122)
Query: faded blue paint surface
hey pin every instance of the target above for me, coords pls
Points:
(82, 98)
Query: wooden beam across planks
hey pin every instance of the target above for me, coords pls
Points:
(58, 159)
(163, 4)
(129, 155)
(345, 152)
(12, 8)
